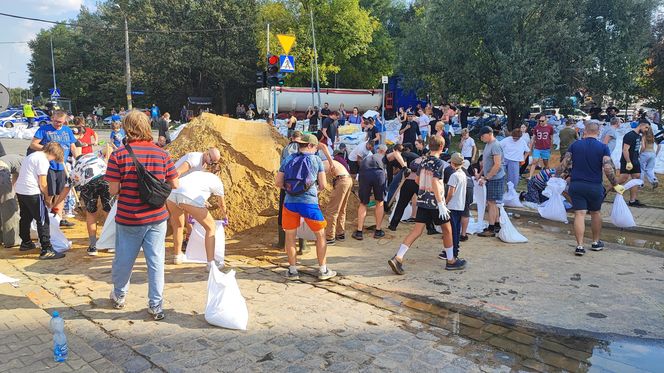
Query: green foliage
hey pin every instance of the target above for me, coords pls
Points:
(17, 96)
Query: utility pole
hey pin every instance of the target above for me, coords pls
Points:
(55, 85)
(9, 88)
(127, 63)
(313, 34)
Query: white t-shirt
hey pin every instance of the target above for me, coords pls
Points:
(458, 180)
(467, 147)
(199, 185)
(195, 160)
(513, 150)
(359, 153)
(424, 122)
(34, 165)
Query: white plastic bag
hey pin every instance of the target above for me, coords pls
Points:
(107, 238)
(225, 304)
(508, 232)
(196, 245)
(479, 197)
(511, 197)
(621, 216)
(304, 232)
(59, 242)
(554, 209)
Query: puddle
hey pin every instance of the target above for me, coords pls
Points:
(614, 235)
(628, 355)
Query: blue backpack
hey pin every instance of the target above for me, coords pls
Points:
(298, 175)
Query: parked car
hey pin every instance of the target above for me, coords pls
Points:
(11, 118)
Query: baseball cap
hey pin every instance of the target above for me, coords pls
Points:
(486, 129)
(307, 139)
(456, 159)
(410, 113)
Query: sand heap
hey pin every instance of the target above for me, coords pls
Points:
(250, 154)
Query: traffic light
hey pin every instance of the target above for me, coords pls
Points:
(261, 78)
(273, 70)
(280, 81)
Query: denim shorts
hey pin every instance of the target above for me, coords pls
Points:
(542, 154)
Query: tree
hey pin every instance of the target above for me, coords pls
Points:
(652, 79)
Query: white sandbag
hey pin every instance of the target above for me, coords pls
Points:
(475, 226)
(196, 246)
(508, 232)
(59, 242)
(633, 183)
(621, 216)
(511, 197)
(226, 306)
(659, 163)
(554, 209)
(107, 238)
(304, 232)
(407, 212)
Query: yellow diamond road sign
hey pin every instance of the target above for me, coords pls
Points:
(286, 42)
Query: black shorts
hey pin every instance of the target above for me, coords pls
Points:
(372, 181)
(94, 190)
(427, 216)
(354, 167)
(466, 211)
(56, 181)
(635, 170)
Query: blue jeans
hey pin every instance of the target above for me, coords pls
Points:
(512, 171)
(128, 242)
(455, 220)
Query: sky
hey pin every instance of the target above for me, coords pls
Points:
(14, 58)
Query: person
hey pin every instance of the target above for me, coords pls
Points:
(88, 178)
(29, 113)
(587, 158)
(464, 110)
(339, 156)
(191, 198)
(431, 208)
(567, 136)
(515, 150)
(373, 134)
(456, 201)
(420, 148)
(397, 158)
(183, 114)
(423, 123)
(198, 161)
(59, 133)
(342, 115)
(630, 168)
(9, 226)
(410, 130)
(117, 135)
(330, 129)
(87, 136)
(536, 186)
(611, 112)
(610, 133)
(325, 111)
(372, 179)
(468, 148)
(540, 145)
(362, 150)
(304, 205)
(312, 115)
(355, 117)
(239, 111)
(32, 192)
(407, 191)
(493, 176)
(98, 113)
(140, 226)
(154, 112)
(648, 158)
(465, 214)
(335, 211)
(161, 141)
(292, 148)
(162, 127)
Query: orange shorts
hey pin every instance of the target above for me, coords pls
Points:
(311, 213)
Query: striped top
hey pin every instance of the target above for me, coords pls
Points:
(131, 210)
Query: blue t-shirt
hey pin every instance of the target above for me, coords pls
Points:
(587, 156)
(311, 195)
(64, 136)
(117, 137)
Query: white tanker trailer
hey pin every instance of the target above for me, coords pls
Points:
(299, 99)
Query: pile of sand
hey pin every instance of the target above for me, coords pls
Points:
(250, 154)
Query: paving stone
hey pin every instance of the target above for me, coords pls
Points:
(136, 365)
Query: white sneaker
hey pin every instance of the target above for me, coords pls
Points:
(178, 259)
(70, 215)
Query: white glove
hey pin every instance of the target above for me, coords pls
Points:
(443, 211)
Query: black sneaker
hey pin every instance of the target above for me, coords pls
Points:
(341, 237)
(357, 235)
(50, 254)
(92, 250)
(392, 228)
(409, 220)
(442, 255)
(580, 251)
(331, 242)
(27, 246)
(396, 265)
(66, 223)
(431, 232)
(457, 265)
(292, 276)
(597, 246)
(463, 238)
(379, 233)
(487, 233)
(497, 228)
(636, 203)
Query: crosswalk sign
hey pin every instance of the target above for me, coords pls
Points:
(286, 64)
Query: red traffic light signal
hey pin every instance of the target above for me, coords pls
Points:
(272, 70)
(272, 60)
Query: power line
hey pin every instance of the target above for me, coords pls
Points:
(14, 42)
(132, 31)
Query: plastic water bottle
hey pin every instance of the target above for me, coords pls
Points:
(60, 349)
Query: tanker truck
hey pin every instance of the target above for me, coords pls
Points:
(300, 99)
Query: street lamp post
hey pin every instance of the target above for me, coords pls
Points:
(127, 64)
(9, 88)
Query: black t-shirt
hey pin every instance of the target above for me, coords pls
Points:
(633, 139)
(325, 111)
(432, 124)
(371, 133)
(463, 115)
(313, 121)
(422, 152)
(331, 126)
(410, 135)
(162, 125)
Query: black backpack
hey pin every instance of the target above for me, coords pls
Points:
(152, 191)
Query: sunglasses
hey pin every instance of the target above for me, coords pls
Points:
(542, 121)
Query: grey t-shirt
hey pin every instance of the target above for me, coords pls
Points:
(611, 132)
(373, 162)
(13, 161)
(490, 150)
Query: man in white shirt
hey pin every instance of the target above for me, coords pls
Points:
(423, 123)
(196, 161)
(515, 150)
(362, 150)
(31, 192)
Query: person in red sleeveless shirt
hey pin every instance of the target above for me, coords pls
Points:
(137, 224)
